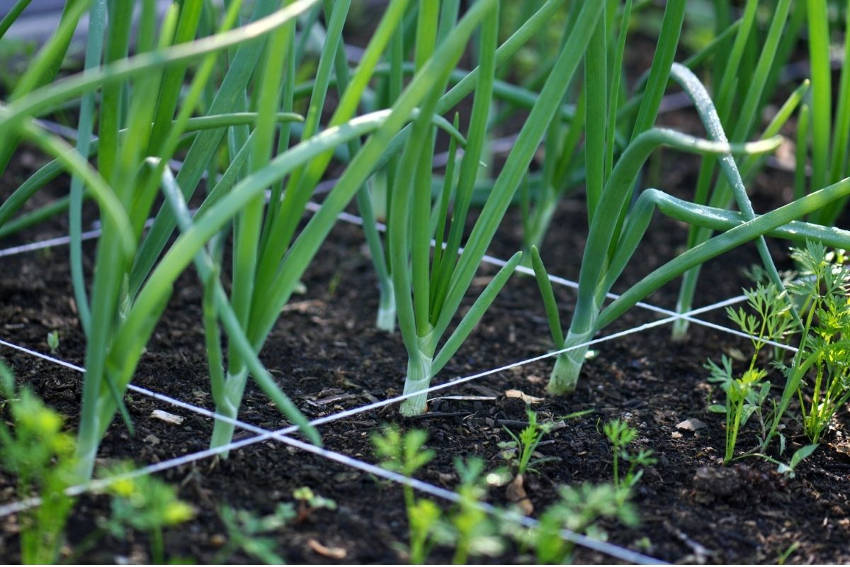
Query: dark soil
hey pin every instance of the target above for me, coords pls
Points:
(328, 356)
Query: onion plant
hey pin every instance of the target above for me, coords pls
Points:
(830, 133)
(604, 94)
(374, 200)
(429, 291)
(122, 144)
(600, 97)
(616, 230)
(739, 109)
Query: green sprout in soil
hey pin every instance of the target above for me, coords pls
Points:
(53, 341)
(578, 509)
(145, 504)
(41, 455)
(466, 527)
(309, 501)
(405, 453)
(789, 469)
(475, 532)
(745, 396)
(620, 434)
(783, 557)
(520, 449)
(247, 532)
(817, 376)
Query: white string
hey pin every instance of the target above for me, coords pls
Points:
(58, 241)
(400, 398)
(49, 243)
(487, 259)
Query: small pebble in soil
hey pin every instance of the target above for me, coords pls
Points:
(691, 424)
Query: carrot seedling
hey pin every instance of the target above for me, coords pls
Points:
(620, 434)
(246, 532)
(405, 453)
(520, 449)
(41, 454)
(475, 533)
(579, 510)
(819, 373)
(770, 320)
(145, 504)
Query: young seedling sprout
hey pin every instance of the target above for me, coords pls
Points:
(53, 341)
(817, 374)
(309, 501)
(520, 450)
(578, 509)
(475, 532)
(41, 454)
(620, 434)
(146, 504)
(405, 453)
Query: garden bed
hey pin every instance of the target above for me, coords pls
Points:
(327, 355)
(325, 350)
